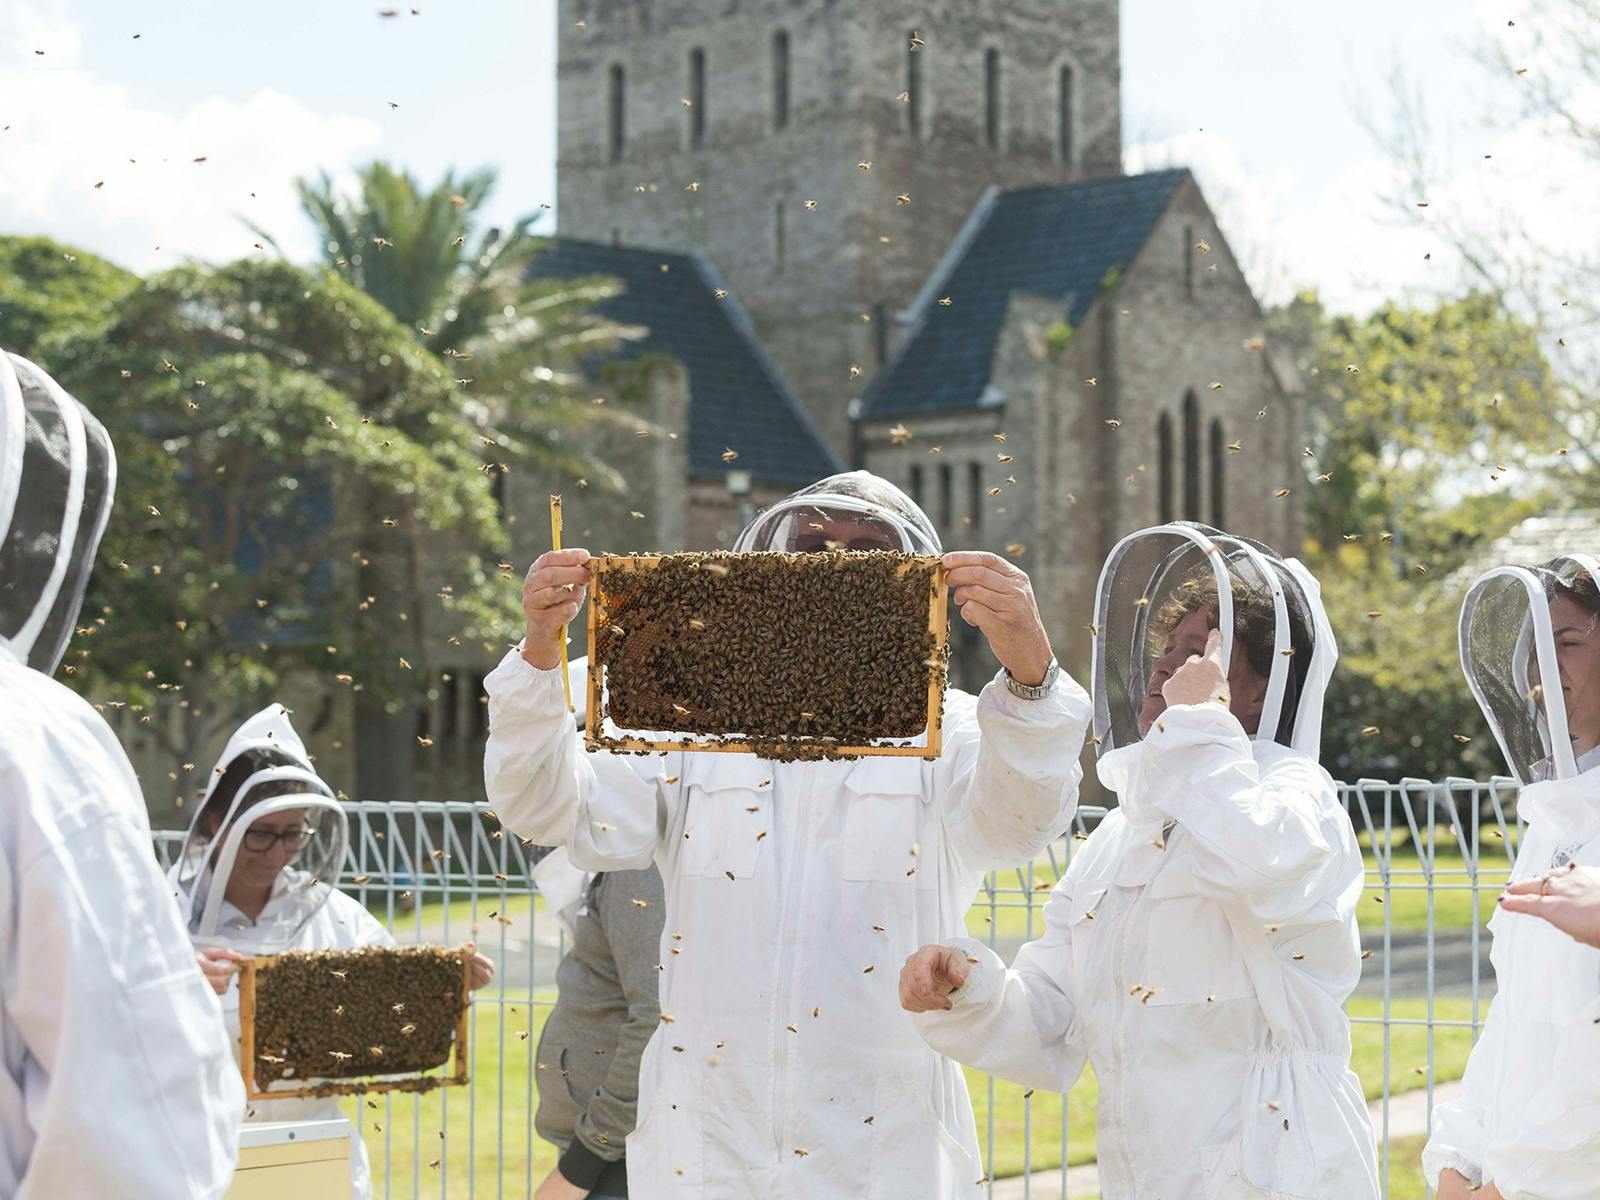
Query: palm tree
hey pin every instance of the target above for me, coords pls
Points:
(516, 345)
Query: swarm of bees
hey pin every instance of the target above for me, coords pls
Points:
(345, 1014)
(802, 654)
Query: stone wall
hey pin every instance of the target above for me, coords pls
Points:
(822, 283)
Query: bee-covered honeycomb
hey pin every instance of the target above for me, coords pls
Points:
(347, 1014)
(801, 655)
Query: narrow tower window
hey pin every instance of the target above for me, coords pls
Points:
(616, 96)
(1064, 113)
(991, 97)
(1164, 467)
(974, 495)
(1191, 458)
(697, 98)
(913, 89)
(1219, 457)
(780, 80)
(1188, 260)
(780, 237)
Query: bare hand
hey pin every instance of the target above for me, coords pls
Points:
(1453, 1185)
(482, 968)
(552, 595)
(1201, 680)
(928, 978)
(997, 597)
(556, 1187)
(1569, 898)
(218, 966)
(1487, 1192)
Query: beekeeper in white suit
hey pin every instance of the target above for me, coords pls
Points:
(115, 1074)
(257, 875)
(1526, 1125)
(794, 889)
(1200, 948)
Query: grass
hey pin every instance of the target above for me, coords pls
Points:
(495, 1118)
(1405, 1169)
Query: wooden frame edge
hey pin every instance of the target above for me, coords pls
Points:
(356, 1087)
(938, 625)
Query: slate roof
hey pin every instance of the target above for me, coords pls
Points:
(1534, 542)
(1057, 241)
(736, 396)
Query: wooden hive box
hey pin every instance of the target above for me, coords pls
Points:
(326, 1022)
(838, 654)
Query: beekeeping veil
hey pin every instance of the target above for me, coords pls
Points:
(1508, 651)
(855, 510)
(57, 476)
(1156, 576)
(238, 836)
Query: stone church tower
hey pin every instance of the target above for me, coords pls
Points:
(741, 128)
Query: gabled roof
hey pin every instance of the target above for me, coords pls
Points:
(1058, 242)
(737, 398)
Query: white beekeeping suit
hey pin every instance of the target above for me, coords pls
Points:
(794, 890)
(1528, 1116)
(1200, 948)
(115, 1075)
(264, 788)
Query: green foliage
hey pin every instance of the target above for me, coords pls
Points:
(1057, 337)
(517, 346)
(1430, 427)
(1408, 403)
(45, 287)
(299, 490)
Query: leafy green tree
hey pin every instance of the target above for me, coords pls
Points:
(517, 346)
(1411, 405)
(46, 287)
(1430, 437)
(299, 491)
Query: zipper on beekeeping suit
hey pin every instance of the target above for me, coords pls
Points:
(794, 876)
(1119, 949)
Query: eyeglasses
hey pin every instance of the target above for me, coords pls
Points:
(260, 841)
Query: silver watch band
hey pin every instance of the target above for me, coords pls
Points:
(1030, 691)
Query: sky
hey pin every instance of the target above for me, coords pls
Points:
(1263, 99)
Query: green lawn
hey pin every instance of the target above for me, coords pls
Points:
(503, 1065)
(496, 1123)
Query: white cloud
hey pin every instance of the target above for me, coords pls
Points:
(1528, 189)
(70, 130)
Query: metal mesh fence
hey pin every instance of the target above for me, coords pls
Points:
(1437, 854)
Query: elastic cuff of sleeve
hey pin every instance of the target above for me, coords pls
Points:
(983, 976)
(581, 1166)
(1436, 1163)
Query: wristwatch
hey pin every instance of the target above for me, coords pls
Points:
(1028, 692)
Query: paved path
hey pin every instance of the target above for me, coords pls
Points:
(1408, 952)
(1408, 1116)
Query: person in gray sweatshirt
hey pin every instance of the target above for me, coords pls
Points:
(588, 1056)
